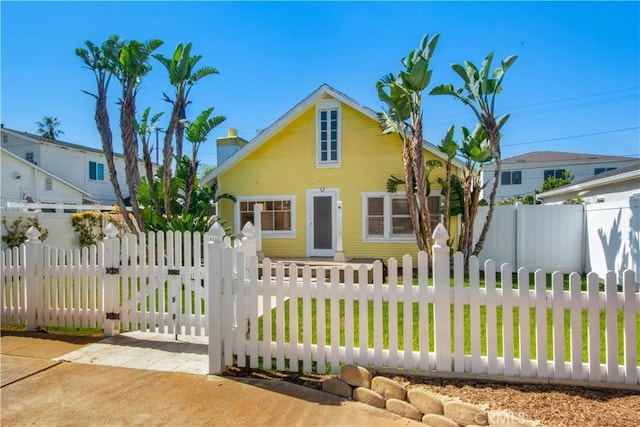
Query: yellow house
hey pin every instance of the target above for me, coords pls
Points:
(322, 165)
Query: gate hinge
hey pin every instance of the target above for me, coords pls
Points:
(173, 272)
(113, 270)
(113, 316)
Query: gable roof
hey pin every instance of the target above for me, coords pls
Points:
(6, 152)
(628, 173)
(293, 114)
(561, 157)
(37, 139)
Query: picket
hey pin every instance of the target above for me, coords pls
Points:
(147, 279)
(293, 318)
(593, 308)
(558, 326)
(575, 306)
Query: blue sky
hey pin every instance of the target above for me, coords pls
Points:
(575, 86)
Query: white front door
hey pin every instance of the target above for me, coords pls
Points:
(321, 220)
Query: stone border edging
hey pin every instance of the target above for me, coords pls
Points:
(358, 383)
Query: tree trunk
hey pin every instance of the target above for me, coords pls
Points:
(447, 196)
(167, 156)
(182, 115)
(130, 147)
(493, 133)
(191, 180)
(492, 199)
(148, 168)
(421, 183)
(104, 129)
(407, 158)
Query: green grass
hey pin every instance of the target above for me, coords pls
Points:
(466, 328)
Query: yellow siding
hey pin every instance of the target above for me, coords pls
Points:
(285, 165)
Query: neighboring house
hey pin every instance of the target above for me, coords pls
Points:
(522, 175)
(23, 181)
(615, 185)
(326, 149)
(83, 167)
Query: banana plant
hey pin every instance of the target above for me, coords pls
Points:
(182, 76)
(402, 95)
(479, 91)
(197, 133)
(101, 60)
(131, 66)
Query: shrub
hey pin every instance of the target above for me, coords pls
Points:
(17, 230)
(89, 225)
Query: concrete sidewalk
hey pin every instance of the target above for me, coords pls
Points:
(102, 388)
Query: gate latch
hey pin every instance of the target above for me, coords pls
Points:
(113, 316)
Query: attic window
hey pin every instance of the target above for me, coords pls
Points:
(328, 128)
(5, 139)
(29, 157)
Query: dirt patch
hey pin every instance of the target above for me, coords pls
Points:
(551, 405)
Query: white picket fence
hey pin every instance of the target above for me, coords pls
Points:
(151, 282)
(301, 318)
(313, 320)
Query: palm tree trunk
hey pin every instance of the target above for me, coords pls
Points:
(148, 168)
(191, 180)
(130, 146)
(167, 158)
(447, 196)
(182, 115)
(492, 200)
(407, 158)
(104, 129)
(421, 183)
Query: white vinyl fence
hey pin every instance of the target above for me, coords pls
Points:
(491, 324)
(598, 237)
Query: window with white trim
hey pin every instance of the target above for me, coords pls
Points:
(96, 171)
(386, 216)
(328, 144)
(29, 157)
(277, 214)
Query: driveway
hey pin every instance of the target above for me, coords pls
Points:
(38, 390)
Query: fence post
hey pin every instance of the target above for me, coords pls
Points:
(33, 261)
(249, 241)
(442, 299)
(111, 284)
(213, 284)
(257, 223)
(339, 255)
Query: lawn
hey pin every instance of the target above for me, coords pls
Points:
(399, 327)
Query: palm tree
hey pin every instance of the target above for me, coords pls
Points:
(132, 65)
(197, 133)
(182, 77)
(479, 93)
(101, 60)
(403, 97)
(47, 127)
